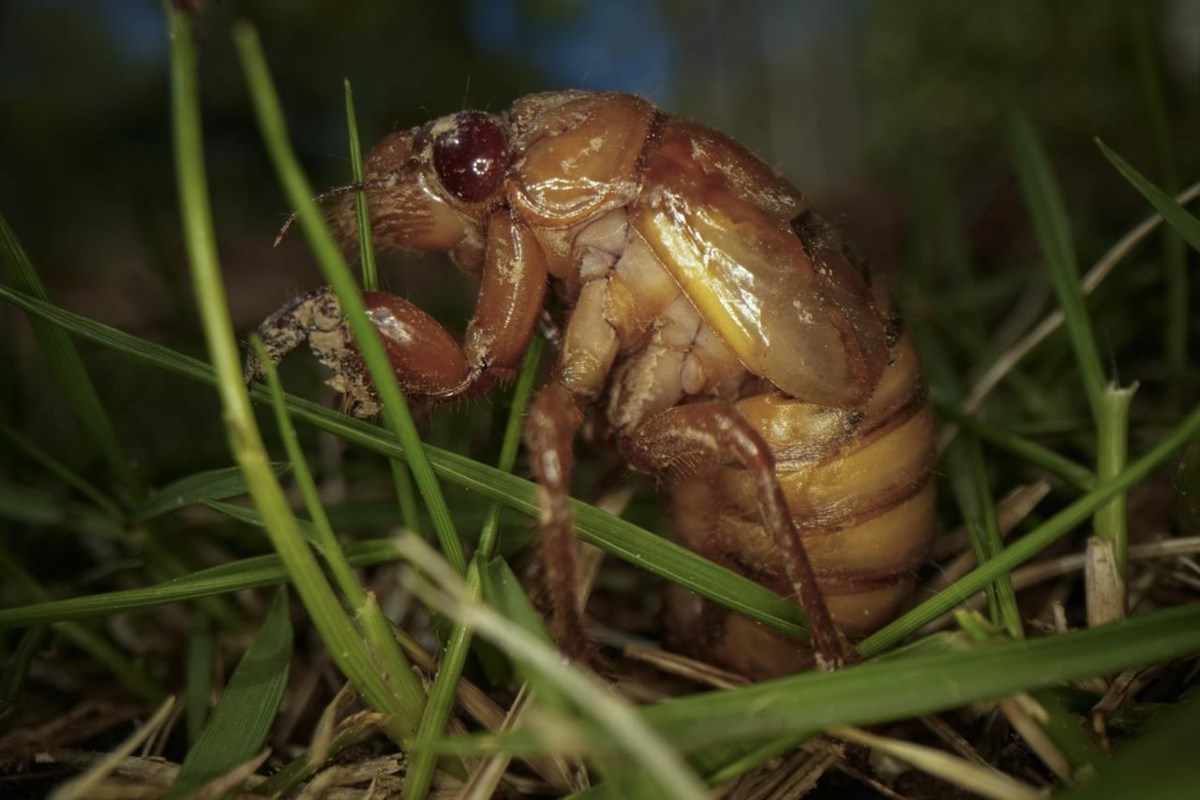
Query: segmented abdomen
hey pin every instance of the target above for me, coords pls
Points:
(858, 483)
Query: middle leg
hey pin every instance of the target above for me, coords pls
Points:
(554, 418)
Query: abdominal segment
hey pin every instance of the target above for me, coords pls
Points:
(859, 487)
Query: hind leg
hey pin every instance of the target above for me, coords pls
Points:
(698, 434)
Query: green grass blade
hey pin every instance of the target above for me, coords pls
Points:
(1072, 472)
(593, 697)
(968, 476)
(251, 516)
(64, 473)
(65, 363)
(1049, 214)
(370, 273)
(884, 691)
(216, 484)
(401, 476)
(969, 480)
(239, 724)
(390, 662)
(502, 591)
(35, 506)
(441, 697)
(1175, 283)
(96, 646)
(16, 669)
(320, 531)
(1111, 521)
(1032, 543)
(250, 573)
(616, 536)
(337, 273)
(340, 636)
(198, 687)
(1176, 215)
(454, 655)
(489, 537)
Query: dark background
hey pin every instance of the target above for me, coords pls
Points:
(867, 106)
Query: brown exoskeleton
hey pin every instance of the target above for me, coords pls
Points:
(712, 317)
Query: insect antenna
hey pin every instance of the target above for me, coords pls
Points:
(337, 191)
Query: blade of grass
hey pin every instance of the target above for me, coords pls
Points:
(389, 660)
(250, 573)
(1109, 404)
(1175, 283)
(16, 669)
(969, 479)
(199, 675)
(251, 517)
(370, 280)
(340, 636)
(337, 273)
(217, 484)
(968, 475)
(884, 691)
(1050, 221)
(616, 536)
(1072, 472)
(990, 378)
(65, 474)
(1112, 451)
(1175, 214)
(242, 719)
(504, 593)
(441, 700)
(65, 363)
(454, 656)
(35, 506)
(370, 274)
(96, 646)
(510, 445)
(1032, 543)
(615, 714)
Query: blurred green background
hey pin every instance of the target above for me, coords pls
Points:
(883, 112)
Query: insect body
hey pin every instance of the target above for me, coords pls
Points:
(713, 320)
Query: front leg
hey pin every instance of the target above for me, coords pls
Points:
(428, 362)
(423, 355)
(508, 308)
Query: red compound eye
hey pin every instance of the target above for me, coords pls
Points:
(470, 158)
